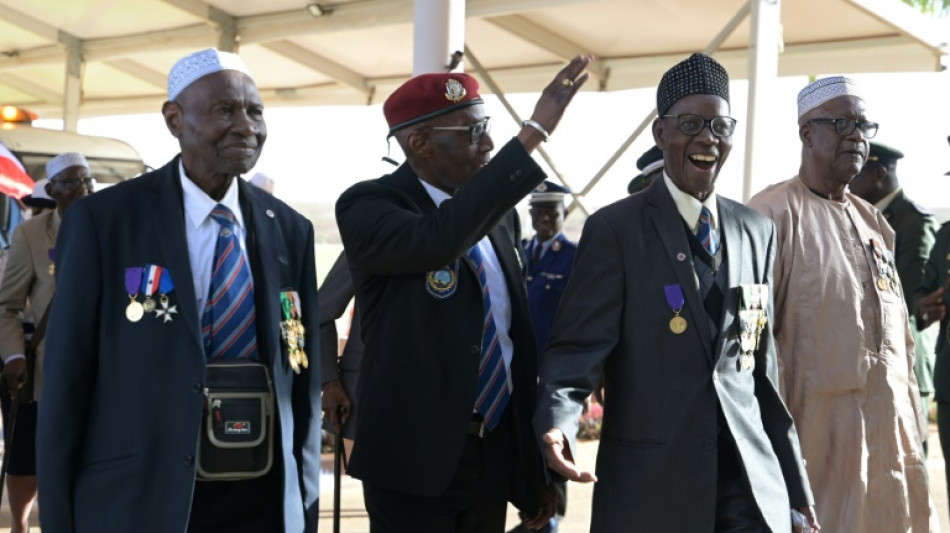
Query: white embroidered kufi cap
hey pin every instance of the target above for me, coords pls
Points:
(63, 161)
(194, 66)
(820, 91)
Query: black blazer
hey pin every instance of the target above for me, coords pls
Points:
(658, 459)
(420, 364)
(123, 400)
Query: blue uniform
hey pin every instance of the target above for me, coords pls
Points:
(546, 281)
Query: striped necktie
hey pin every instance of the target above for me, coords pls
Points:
(707, 235)
(228, 324)
(493, 393)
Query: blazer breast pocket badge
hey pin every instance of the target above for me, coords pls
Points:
(149, 281)
(753, 316)
(442, 283)
(292, 331)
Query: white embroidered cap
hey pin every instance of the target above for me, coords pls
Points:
(194, 66)
(820, 91)
(63, 161)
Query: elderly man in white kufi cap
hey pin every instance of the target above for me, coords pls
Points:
(28, 283)
(176, 289)
(845, 351)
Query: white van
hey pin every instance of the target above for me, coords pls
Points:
(110, 160)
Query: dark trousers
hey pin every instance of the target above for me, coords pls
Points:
(943, 429)
(736, 509)
(248, 506)
(475, 501)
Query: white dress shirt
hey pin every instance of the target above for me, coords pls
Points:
(201, 232)
(689, 207)
(497, 287)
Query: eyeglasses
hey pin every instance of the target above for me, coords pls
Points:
(72, 183)
(693, 124)
(475, 131)
(846, 126)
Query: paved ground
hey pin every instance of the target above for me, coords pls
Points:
(578, 513)
(353, 516)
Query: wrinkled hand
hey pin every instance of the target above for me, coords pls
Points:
(547, 510)
(558, 456)
(14, 375)
(931, 308)
(336, 404)
(809, 513)
(555, 98)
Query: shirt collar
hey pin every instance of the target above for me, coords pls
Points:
(548, 242)
(689, 207)
(198, 205)
(883, 203)
(438, 195)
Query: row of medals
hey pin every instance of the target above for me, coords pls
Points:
(292, 331)
(887, 273)
(751, 324)
(135, 310)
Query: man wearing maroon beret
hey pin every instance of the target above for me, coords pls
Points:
(449, 372)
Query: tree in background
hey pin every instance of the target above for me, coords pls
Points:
(931, 7)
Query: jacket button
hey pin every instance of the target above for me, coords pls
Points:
(189, 460)
(519, 172)
(196, 388)
(709, 444)
(475, 349)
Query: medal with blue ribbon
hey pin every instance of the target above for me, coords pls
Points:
(133, 280)
(165, 286)
(676, 301)
(151, 276)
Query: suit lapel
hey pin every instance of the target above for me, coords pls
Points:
(260, 241)
(669, 226)
(733, 239)
(168, 217)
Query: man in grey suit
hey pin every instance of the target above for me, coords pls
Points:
(670, 302)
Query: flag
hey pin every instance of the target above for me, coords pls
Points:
(14, 181)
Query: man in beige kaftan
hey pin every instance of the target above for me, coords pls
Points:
(844, 346)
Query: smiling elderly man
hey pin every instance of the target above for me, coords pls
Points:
(845, 350)
(669, 301)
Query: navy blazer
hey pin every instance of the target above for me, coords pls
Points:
(119, 427)
(420, 362)
(546, 281)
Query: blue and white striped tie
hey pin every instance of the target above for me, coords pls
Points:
(493, 393)
(228, 321)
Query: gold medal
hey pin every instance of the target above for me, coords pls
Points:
(134, 311)
(677, 324)
(148, 305)
(52, 269)
(882, 283)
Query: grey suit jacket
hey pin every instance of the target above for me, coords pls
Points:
(657, 463)
(28, 275)
(122, 405)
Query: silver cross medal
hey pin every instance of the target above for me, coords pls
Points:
(165, 313)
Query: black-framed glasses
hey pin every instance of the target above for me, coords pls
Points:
(73, 183)
(846, 126)
(475, 131)
(691, 124)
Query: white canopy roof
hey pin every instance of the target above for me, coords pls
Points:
(358, 51)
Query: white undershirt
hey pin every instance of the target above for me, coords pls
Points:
(201, 232)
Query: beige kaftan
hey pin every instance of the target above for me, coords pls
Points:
(846, 366)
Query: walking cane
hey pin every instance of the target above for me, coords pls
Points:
(8, 445)
(337, 476)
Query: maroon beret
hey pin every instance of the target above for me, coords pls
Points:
(428, 96)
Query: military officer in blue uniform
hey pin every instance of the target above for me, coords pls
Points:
(550, 260)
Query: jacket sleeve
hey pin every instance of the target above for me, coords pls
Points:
(913, 248)
(71, 360)
(14, 290)
(385, 237)
(306, 393)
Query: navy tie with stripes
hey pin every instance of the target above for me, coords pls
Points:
(493, 393)
(228, 321)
